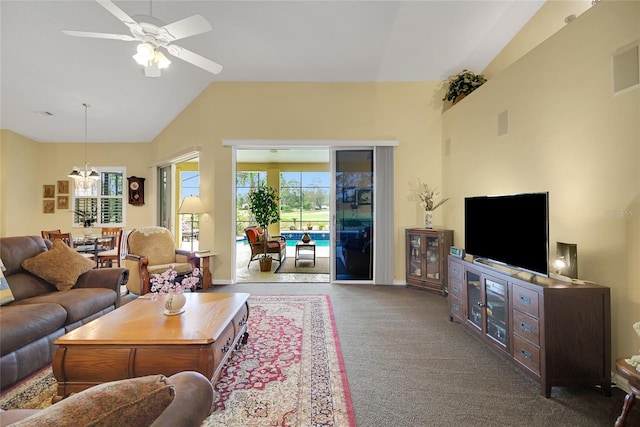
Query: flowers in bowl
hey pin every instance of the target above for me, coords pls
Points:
(166, 282)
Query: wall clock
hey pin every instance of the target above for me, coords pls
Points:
(136, 191)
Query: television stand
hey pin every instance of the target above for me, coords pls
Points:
(501, 267)
(558, 333)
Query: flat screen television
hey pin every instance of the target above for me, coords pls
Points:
(509, 229)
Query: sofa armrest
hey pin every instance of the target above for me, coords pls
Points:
(187, 256)
(110, 278)
(139, 279)
(192, 403)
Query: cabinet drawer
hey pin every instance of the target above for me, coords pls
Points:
(527, 354)
(456, 308)
(525, 300)
(455, 270)
(526, 326)
(455, 289)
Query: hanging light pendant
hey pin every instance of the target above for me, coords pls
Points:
(87, 177)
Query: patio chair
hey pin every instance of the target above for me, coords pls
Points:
(275, 245)
(189, 233)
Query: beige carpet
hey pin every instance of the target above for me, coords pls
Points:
(304, 266)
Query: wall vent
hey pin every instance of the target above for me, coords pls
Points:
(626, 68)
(503, 123)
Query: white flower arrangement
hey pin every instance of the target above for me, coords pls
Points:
(421, 193)
(635, 360)
(166, 282)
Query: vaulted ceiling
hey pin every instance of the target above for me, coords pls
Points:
(47, 75)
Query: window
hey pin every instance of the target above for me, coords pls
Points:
(245, 182)
(304, 200)
(103, 198)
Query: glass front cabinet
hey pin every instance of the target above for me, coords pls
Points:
(426, 254)
(486, 299)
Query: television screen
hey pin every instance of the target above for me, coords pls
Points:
(510, 229)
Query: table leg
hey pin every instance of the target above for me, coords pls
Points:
(206, 272)
(629, 401)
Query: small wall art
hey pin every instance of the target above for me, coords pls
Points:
(48, 206)
(63, 202)
(48, 191)
(365, 196)
(63, 187)
(349, 195)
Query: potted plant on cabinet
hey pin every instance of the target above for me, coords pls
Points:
(263, 204)
(462, 84)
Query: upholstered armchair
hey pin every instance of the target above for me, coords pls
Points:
(275, 244)
(151, 250)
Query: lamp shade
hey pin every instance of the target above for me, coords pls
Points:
(191, 205)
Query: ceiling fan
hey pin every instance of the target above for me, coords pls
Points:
(152, 37)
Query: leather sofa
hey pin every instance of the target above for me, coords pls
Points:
(191, 404)
(41, 313)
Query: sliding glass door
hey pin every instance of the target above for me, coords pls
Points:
(354, 215)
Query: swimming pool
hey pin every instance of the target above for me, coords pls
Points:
(321, 238)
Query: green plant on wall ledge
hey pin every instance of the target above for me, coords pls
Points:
(462, 84)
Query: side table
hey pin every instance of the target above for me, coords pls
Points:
(204, 258)
(630, 374)
(305, 250)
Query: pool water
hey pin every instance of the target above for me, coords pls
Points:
(321, 239)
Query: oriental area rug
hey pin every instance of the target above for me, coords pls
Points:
(290, 373)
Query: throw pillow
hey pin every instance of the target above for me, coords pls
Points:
(2, 267)
(6, 295)
(131, 402)
(60, 266)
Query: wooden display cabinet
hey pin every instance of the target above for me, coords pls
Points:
(426, 254)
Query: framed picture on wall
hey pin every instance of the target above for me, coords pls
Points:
(63, 187)
(48, 191)
(48, 206)
(349, 195)
(63, 202)
(365, 196)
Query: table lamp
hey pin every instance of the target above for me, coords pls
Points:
(191, 205)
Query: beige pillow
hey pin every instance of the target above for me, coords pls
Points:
(60, 265)
(131, 402)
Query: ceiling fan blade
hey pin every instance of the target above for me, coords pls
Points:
(186, 27)
(152, 71)
(122, 37)
(195, 59)
(119, 13)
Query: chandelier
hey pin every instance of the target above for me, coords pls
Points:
(87, 177)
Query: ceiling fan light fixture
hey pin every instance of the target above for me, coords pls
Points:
(146, 54)
(162, 61)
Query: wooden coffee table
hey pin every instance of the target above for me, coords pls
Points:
(137, 339)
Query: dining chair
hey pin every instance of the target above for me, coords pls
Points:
(46, 233)
(67, 239)
(113, 233)
(117, 254)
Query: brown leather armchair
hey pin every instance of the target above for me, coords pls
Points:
(275, 244)
(151, 250)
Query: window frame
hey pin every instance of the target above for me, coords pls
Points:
(99, 197)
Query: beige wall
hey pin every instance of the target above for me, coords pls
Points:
(407, 112)
(570, 136)
(549, 19)
(27, 166)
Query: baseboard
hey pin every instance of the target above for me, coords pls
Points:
(223, 282)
